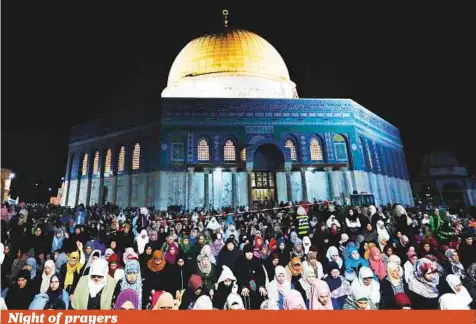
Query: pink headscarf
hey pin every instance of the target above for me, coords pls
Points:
(378, 267)
(319, 287)
(293, 299)
(171, 258)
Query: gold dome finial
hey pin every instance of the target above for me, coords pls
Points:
(225, 17)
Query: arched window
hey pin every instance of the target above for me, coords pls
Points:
(340, 147)
(243, 155)
(136, 157)
(203, 150)
(107, 164)
(316, 150)
(229, 152)
(292, 148)
(122, 157)
(84, 170)
(96, 163)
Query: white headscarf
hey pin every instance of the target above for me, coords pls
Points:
(99, 268)
(232, 299)
(203, 303)
(463, 294)
(45, 281)
(451, 302)
(373, 290)
(142, 241)
(306, 243)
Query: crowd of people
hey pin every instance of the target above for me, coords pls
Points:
(295, 256)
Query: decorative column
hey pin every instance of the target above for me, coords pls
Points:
(347, 190)
(250, 194)
(189, 187)
(330, 185)
(234, 188)
(206, 191)
(304, 184)
(289, 190)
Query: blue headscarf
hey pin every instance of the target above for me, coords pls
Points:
(32, 263)
(350, 262)
(57, 243)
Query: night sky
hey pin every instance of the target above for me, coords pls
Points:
(66, 63)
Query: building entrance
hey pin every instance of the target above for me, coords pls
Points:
(263, 186)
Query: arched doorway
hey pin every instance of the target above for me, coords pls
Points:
(453, 195)
(267, 160)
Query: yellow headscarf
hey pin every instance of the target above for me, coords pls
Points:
(70, 270)
(367, 251)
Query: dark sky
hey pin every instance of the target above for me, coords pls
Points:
(65, 63)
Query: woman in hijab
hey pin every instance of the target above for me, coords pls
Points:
(320, 296)
(115, 268)
(228, 254)
(146, 256)
(128, 299)
(332, 255)
(311, 262)
(207, 270)
(180, 272)
(141, 241)
(224, 287)
(355, 260)
(283, 251)
(171, 253)
(53, 293)
(271, 263)
(96, 254)
(304, 284)
(58, 238)
(293, 301)
(392, 285)
(156, 275)
(359, 300)
(250, 279)
(453, 265)
(367, 282)
(423, 285)
(298, 249)
(48, 271)
(339, 286)
(192, 293)
(20, 295)
(164, 301)
(132, 280)
(95, 291)
(279, 287)
(352, 222)
(376, 263)
(216, 246)
(369, 234)
(35, 280)
(459, 290)
(294, 270)
(185, 244)
(451, 302)
(470, 283)
(70, 272)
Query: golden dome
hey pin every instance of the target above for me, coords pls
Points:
(232, 52)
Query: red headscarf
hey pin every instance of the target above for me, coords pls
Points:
(114, 259)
